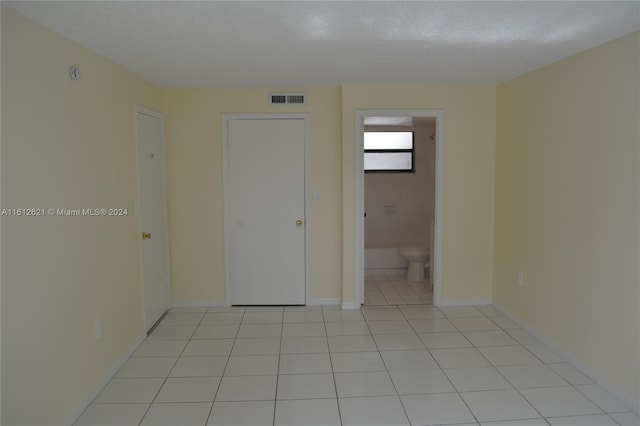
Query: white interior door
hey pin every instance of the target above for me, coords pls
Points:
(266, 211)
(153, 220)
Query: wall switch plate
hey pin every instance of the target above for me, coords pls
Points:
(97, 328)
(520, 279)
(316, 196)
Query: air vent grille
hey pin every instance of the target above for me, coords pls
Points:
(287, 98)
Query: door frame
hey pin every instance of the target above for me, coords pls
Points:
(226, 191)
(436, 264)
(159, 116)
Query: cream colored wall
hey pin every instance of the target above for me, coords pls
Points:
(65, 144)
(468, 182)
(195, 183)
(412, 193)
(194, 173)
(567, 206)
(1, 9)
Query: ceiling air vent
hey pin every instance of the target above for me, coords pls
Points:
(287, 99)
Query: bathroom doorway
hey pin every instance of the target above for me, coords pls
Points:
(398, 190)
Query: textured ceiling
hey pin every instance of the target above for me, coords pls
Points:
(309, 43)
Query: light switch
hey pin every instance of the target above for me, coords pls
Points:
(316, 196)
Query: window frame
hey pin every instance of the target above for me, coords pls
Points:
(412, 151)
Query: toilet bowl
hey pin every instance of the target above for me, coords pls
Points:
(417, 257)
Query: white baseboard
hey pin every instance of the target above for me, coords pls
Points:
(77, 412)
(463, 302)
(221, 303)
(317, 302)
(205, 304)
(574, 361)
(350, 306)
(370, 272)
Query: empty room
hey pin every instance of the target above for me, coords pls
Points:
(320, 213)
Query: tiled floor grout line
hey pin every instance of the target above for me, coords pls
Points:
(519, 390)
(569, 384)
(496, 367)
(440, 367)
(387, 368)
(172, 367)
(275, 396)
(477, 348)
(235, 339)
(594, 402)
(542, 363)
(449, 315)
(399, 284)
(333, 373)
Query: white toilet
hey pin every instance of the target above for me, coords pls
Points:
(417, 256)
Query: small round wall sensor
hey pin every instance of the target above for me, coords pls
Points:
(74, 73)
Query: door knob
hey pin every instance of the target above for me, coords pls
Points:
(298, 223)
(146, 236)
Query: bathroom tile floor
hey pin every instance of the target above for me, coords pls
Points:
(393, 365)
(380, 290)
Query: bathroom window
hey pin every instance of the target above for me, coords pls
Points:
(388, 152)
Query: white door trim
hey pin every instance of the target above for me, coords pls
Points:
(436, 269)
(154, 114)
(225, 191)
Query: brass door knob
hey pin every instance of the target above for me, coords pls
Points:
(146, 236)
(298, 223)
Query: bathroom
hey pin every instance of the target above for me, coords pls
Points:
(399, 209)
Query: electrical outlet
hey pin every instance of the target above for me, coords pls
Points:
(97, 328)
(520, 279)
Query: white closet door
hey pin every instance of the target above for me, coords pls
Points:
(266, 210)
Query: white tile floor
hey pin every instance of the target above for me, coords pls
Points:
(380, 290)
(392, 365)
